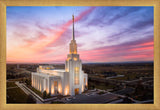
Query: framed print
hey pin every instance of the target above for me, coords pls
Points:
(79, 54)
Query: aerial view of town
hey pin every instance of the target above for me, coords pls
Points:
(79, 55)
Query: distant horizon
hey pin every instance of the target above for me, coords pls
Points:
(91, 62)
(103, 34)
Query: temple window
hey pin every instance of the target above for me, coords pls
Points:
(75, 59)
(76, 75)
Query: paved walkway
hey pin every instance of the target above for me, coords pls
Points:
(28, 92)
(12, 87)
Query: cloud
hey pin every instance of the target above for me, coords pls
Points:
(138, 27)
(103, 34)
(38, 46)
(116, 25)
(141, 50)
(142, 24)
(122, 14)
(107, 16)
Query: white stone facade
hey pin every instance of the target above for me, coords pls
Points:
(70, 81)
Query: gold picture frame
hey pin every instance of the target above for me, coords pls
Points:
(5, 3)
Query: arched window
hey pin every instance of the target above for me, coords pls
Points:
(76, 75)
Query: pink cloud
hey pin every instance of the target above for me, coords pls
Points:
(35, 49)
(147, 43)
(142, 48)
(130, 52)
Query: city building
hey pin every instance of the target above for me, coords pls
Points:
(69, 81)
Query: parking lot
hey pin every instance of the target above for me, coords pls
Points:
(94, 96)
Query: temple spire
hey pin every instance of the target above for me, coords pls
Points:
(73, 45)
(73, 28)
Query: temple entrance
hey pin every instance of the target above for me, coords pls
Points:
(76, 91)
(55, 87)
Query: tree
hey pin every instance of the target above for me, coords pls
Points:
(49, 95)
(30, 99)
(127, 100)
(44, 94)
(139, 89)
(28, 82)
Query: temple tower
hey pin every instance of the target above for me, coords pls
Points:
(73, 65)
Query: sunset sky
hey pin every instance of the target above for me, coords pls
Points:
(103, 34)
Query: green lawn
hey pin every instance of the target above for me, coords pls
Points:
(11, 84)
(36, 91)
(16, 95)
(57, 102)
(17, 79)
(99, 85)
(128, 77)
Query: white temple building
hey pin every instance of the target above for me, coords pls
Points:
(69, 81)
